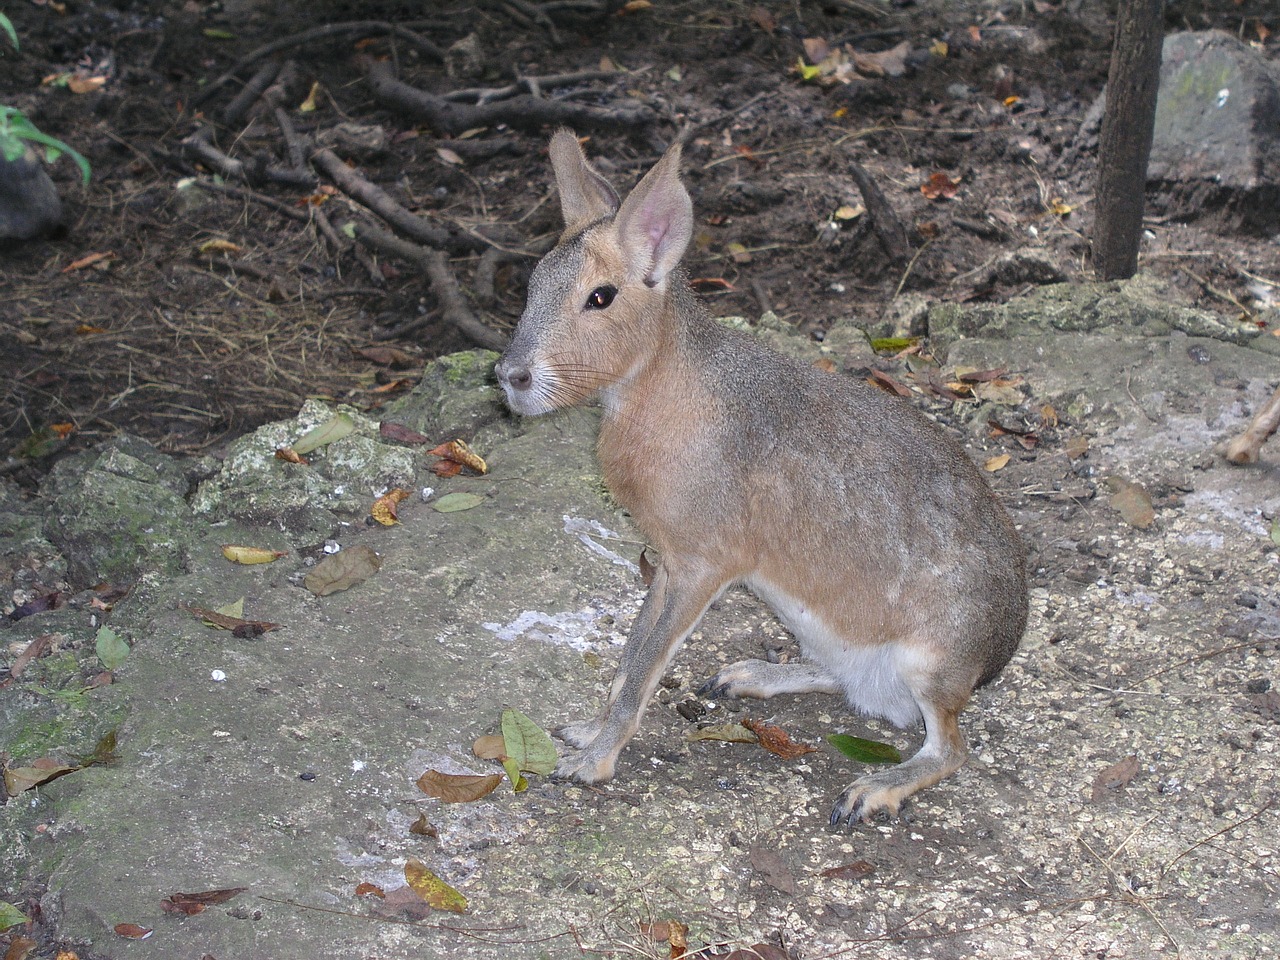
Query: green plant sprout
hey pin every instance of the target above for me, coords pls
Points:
(16, 131)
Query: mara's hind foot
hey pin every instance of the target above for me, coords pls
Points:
(761, 679)
(942, 754)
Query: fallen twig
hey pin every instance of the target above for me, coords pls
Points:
(381, 203)
(1246, 447)
(432, 263)
(884, 220)
(525, 112)
(358, 27)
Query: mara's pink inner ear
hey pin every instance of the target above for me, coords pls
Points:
(655, 222)
(584, 194)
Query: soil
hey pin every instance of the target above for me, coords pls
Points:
(190, 345)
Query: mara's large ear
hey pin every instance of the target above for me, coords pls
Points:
(584, 194)
(656, 221)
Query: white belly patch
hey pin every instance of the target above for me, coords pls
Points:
(871, 673)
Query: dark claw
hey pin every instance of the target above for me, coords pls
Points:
(713, 688)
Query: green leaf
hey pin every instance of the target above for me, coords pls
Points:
(233, 609)
(528, 745)
(864, 751)
(453, 502)
(1275, 531)
(111, 648)
(806, 72)
(7, 26)
(335, 428)
(518, 783)
(893, 344)
(10, 916)
(213, 33)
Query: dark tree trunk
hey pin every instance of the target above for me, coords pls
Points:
(1125, 142)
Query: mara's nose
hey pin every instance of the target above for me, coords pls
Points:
(514, 375)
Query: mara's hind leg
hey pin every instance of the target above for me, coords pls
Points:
(942, 754)
(761, 679)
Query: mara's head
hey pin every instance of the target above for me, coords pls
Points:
(599, 301)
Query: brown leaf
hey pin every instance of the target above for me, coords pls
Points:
(446, 468)
(458, 452)
(492, 746)
(982, 376)
(1119, 774)
(774, 870)
(762, 18)
(422, 827)
(886, 63)
(998, 462)
(400, 433)
(343, 570)
(239, 627)
(1077, 447)
(458, 787)
(36, 648)
(388, 356)
(384, 508)
(132, 931)
(18, 779)
(1132, 502)
(850, 871)
(878, 378)
(368, 889)
(20, 947)
(776, 740)
(88, 261)
(204, 898)
(939, 186)
(288, 455)
(727, 732)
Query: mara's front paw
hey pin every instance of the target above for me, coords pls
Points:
(586, 766)
(578, 734)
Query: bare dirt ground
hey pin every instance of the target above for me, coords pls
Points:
(218, 302)
(208, 312)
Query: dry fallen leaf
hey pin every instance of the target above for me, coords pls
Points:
(288, 455)
(18, 779)
(458, 787)
(192, 903)
(367, 889)
(449, 156)
(458, 452)
(251, 555)
(492, 746)
(422, 827)
(878, 378)
(400, 433)
(384, 508)
(1077, 447)
(1119, 774)
(237, 625)
(89, 260)
(728, 732)
(218, 246)
(850, 871)
(776, 740)
(940, 187)
(998, 462)
(343, 570)
(432, 889)
(132, 931)
(1132, 502)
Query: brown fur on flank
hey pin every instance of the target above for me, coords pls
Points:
(869, 531)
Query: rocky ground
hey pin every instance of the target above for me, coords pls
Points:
(1120, 798)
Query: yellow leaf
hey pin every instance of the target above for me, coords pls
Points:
(850, 213)
(384, 508)
(432, 889)
(939, 48)
(997, 462)
(218, 246)
(249, 555)
(1010, 101)
(1059, 207)
(309, 105)
(806, 71)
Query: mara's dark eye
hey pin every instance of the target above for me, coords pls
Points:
(601, 297)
